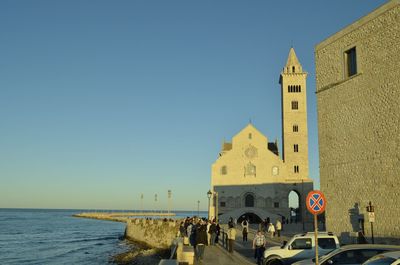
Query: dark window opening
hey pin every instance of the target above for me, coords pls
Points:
(296, 148)
(222, 204)
(296, 169)
(276, 204)
(249, 201)
(295, 128)
(295, 105)
(350, 57)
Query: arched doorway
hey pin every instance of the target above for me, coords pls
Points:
(251, 217)
(294, 206)
(249, 200)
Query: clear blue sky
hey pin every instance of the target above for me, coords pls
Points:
(102, 101)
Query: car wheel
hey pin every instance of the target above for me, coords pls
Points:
(274, 262)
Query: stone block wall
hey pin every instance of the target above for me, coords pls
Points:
(359, 125)
(154, 233)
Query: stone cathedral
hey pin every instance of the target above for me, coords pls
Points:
(250, 179)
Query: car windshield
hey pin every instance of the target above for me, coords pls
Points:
(331, 253)
(380, 260)
(323, 256)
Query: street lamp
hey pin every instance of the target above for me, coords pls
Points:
(141, 202)
(209, 194)
(169, 201)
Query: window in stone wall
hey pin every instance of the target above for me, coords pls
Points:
(295, 128)
(295, 105)
(250, 170)
(296, 148)
(296, 169)
(276, 204)
(350, 62)
(224, 170)
(222, 204)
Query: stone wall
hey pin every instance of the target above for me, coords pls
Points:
(154, 233)
(358, 124)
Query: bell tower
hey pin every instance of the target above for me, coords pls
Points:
(294, 118)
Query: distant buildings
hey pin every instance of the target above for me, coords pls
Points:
(358, 94)
(249, 179)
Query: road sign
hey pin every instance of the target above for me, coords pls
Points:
(316, 202)
(371, 217)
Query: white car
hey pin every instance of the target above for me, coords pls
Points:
(350, 254)
(388, 258)
(299, 247)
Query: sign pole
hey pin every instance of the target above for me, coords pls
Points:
(316, 238)
(316, 204)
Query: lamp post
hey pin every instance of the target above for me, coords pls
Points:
(141, 202)
(216, 206)
(198, 209)
(209, 194)
(169, 201)
(155, 203)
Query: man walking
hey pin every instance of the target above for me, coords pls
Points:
(259, 244)
(231, 237)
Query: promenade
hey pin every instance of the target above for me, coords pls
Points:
(243, 251)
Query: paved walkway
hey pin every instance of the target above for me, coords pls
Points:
(243, 251)
(217, 255)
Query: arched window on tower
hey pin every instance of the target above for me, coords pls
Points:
(249, 200)
(295, 104)
(293, 69)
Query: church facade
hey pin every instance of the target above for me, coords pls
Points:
(250, 179)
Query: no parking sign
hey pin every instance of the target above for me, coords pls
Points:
(316, 202)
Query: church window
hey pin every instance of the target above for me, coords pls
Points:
(350, 65)
(222, 204)
(250, 169)
(296, 148)
(224, 170)
(250, 136)
(293, 69)
(295, 128)
(249, 201)
(276, 204)
(299, 89)
(296, 169)
(295, 105)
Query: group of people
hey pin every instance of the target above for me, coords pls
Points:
(201, 233)
(268, 227)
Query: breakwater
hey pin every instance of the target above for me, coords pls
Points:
(155, 233)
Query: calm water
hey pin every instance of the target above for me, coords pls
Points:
(33, 236)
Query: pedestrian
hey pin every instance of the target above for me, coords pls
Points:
(231, 237)
(213, 233)
(201, 239)
(218, 231)
(208, 223)
(245, 229)
(271, 229)
(259, 244)
(278, 227)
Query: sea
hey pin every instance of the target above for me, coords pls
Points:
(49, 236)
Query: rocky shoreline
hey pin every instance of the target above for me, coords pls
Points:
(140, 254)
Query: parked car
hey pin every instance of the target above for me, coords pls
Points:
(299, 247)
(388, 258)
(350, 254)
